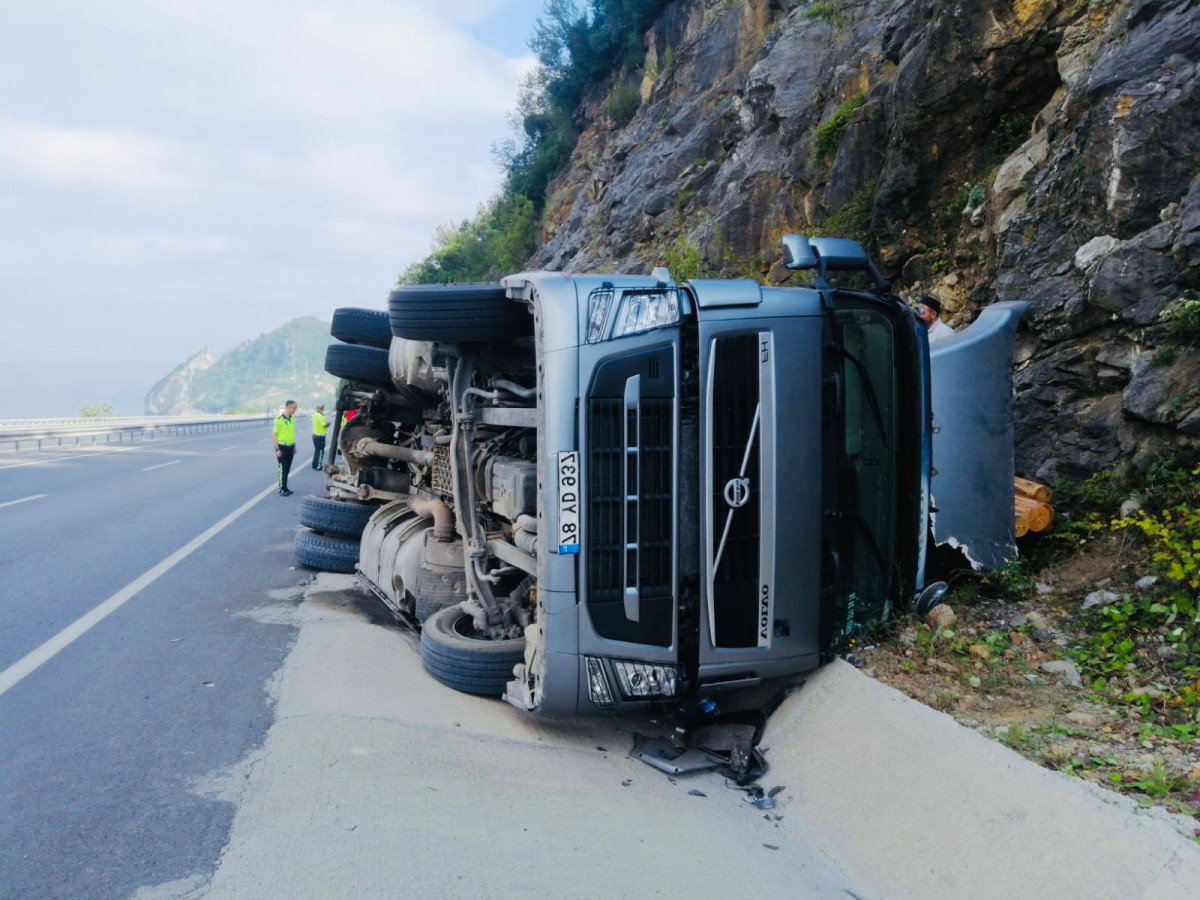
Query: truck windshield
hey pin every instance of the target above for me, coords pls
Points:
(867, 464)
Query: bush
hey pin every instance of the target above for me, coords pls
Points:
(623, 104)
(826, 12)
(683, 260)
(96, 410)
(496, 242)
(829, 133)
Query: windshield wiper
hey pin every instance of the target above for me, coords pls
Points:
(868, 389)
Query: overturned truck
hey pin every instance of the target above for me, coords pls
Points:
(604, 490)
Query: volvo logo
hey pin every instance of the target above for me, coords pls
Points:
(737, 492)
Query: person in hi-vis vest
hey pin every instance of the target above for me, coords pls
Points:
(283, 434)
(320, 426)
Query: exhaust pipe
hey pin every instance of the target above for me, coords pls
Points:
(443, 518)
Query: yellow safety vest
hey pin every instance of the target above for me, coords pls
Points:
(320, 426)
(285, 429)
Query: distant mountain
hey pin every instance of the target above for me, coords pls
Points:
(256, 376)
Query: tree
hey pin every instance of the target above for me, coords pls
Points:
(96, 410)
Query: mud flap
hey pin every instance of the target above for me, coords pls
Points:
(971, 390)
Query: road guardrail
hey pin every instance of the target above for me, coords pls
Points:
(74, 432)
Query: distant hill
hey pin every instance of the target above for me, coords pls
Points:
(256, 376)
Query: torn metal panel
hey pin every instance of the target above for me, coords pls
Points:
(971, 376)
(666, 757)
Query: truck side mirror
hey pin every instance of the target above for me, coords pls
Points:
(797, 253)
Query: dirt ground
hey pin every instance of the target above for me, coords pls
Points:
(1004, 667)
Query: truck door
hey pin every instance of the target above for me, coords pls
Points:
(973, 437)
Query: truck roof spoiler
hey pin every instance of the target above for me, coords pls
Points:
(826, 254)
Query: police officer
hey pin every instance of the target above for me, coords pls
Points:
(284, 435)
(320, 426)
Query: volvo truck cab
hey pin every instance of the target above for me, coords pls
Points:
(609, 490)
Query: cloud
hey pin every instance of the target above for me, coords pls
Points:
(181, 173)
(71, 155)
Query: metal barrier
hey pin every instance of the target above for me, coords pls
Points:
(53, 432)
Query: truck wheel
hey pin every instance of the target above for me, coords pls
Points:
(339, 517)
(368, 327)
(355, 363)
(459, 660)
(328, 554)
(457, 312)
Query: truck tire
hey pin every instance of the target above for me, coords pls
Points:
(457, 312)
(355, 363)
(338, 517)
(327, 554)
(368, 327)
(465, 663)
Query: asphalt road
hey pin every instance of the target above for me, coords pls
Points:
(183, 715)
(103, 743)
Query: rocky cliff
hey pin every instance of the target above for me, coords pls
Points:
(172, 395)
(985, 150)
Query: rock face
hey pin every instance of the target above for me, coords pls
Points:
(172, 395)
(1043, 150)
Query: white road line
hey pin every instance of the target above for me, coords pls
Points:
(146, 446)
(23, 500)
(29, 663)
(234, 447)
(173, 462)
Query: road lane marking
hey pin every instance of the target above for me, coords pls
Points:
(29, 663)
(148, 445)
(173, 462)
(234, 447)
(23, 500)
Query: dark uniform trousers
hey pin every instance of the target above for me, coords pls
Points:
(286, 452)
(318, 451)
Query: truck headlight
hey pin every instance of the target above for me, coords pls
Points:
(646, 681)
(643, 310)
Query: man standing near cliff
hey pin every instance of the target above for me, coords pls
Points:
(283, 433)
(320, 426)
(929, 311)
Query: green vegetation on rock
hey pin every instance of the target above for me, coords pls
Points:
(829, 133)
(623, 104)
(826, 12)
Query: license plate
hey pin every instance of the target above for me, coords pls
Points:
(568, 502)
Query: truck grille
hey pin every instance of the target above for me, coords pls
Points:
(735, 401)
(629, 534)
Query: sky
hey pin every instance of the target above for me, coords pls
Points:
(179, 174)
